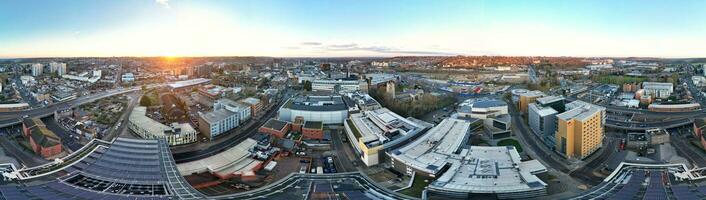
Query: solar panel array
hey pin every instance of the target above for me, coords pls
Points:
(630, 190)
(682, 192)
(655, 189)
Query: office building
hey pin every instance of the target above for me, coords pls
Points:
(541, 117)
(657, 89)
(340, 85)
(527, 98)
(580, 130)
(226, 115)
(255, 105)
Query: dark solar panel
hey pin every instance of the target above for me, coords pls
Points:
(683, 193)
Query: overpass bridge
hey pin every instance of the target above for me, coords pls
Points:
(15, 117)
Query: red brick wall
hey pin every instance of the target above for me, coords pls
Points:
(51, 151)
(276, 133)
(25, 130)
(313, 133)
(45, 152)
(297, 127)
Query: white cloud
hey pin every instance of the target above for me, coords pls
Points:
(163, 2)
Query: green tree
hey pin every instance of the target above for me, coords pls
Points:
(307, 85)
(145, 101)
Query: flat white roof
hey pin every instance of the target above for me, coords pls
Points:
(180, 84)
(478, 169)
(234, 160)
(373, 125)
(491, 170)
(431, 151)
(579, 110)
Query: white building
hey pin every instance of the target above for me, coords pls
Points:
(59, 68)
(483, 109)
(37, 69)
(326, 109)
(460, 170)
(128, 77)
(241, 110)
(335, 85)
(372, 133)
(226, 115)
(658, 89)
(147, 128)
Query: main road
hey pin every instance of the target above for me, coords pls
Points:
(15, 117)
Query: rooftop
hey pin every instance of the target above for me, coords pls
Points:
(549, 99)
(476, 169)
(186, 83)
(579, 110)
(216, 115)
(275, 124)
(138, 118)
(381, 126)
(489, 103)
(316, 103)
(313, 125)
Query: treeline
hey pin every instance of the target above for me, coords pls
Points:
(424, 104)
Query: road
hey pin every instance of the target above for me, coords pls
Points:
(528, 139)
(124, 119)
(585, 173)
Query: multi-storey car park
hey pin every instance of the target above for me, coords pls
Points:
(464, 171)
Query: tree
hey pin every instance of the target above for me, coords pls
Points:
(307, 85)
(145, 101)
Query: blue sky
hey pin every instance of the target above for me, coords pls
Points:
(33, 28)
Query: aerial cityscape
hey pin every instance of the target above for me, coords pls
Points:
(379, 100)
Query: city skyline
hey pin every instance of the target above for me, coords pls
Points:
(361, 28)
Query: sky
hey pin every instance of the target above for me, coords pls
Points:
(333, 28)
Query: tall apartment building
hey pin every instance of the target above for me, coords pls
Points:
(580, 130)
(37, 69)
(658, 89)
(59, 68)
(528, 98)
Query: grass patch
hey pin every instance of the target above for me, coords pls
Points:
(418, 186)
(511, 142)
